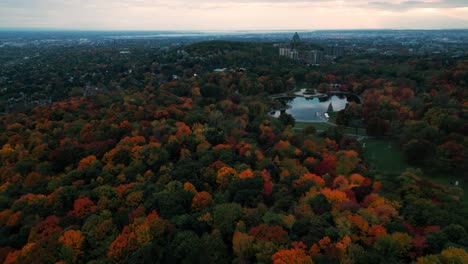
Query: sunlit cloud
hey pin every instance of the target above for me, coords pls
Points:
(233, 15)
(406, 5)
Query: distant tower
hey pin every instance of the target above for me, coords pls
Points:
(295, 40)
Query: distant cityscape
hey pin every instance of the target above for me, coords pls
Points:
(297, 51)
(39, 51)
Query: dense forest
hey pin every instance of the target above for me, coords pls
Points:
(194, 170)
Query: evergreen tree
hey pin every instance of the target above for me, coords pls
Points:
(330, 108)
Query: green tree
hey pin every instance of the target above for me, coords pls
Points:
(225, 217)
(184, 248)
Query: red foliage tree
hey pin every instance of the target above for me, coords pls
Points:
(269, 233)
(83, 206)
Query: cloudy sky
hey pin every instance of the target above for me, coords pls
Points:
(233, 14)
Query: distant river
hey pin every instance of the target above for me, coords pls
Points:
(305, 110)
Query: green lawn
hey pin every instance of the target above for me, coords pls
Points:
(384, 156)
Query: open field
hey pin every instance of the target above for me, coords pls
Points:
(384, 155)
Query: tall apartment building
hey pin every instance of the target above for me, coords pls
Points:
(335, 51)
(314, 56)
(311, 57)
(284, 52)
(296, 50)
(289, 53)
(294, 55)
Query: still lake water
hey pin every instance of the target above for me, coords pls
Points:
(306, 109)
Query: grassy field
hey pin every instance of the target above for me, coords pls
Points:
(384, 156)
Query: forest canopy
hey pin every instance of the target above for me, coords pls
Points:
(194, 170)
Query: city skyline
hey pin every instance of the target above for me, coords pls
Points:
(232, 15)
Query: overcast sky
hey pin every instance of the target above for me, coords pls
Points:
(233, 14)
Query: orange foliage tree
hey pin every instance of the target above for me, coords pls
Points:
(72, 238)
(201, 200)
(291, 256)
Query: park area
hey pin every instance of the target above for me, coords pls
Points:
(386, 157)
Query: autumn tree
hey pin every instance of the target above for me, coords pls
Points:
(287, 256)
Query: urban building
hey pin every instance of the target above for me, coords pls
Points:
(304, 52)
(314, 57)
(335, 51)
(289, 53)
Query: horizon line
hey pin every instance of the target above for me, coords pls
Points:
(222, 30)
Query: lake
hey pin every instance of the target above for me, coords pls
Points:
(312, 109)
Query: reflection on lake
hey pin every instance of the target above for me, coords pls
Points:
(305, 110)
